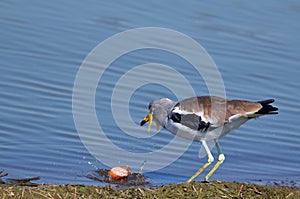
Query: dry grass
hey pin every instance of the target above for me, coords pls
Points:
(214, 189)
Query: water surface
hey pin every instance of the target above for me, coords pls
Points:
(254, 44)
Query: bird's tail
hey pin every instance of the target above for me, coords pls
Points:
(267, 108)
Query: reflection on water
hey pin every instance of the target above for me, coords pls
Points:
(42, 45)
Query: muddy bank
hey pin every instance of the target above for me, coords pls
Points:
(214, 189)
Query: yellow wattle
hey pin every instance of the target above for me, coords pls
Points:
(150, 118)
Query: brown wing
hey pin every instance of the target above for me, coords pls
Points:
(211, 109)
(217, 110)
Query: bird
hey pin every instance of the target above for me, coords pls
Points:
(205, 118)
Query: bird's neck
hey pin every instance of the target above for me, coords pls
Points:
(161, 114)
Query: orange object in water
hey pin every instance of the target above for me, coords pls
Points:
(118, 173)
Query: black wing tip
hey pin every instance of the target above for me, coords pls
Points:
(267, 108)
(266, 102)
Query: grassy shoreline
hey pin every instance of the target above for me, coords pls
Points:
(214, 189)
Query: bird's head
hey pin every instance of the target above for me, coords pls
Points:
(158, 111)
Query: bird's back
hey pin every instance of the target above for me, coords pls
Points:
(204, 114)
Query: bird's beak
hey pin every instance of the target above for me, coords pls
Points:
(149, 118)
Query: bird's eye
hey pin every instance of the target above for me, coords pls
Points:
(149, 107)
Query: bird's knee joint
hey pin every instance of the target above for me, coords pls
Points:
(221, 157)
(210, 159)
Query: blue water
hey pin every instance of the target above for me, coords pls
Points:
(255, 46)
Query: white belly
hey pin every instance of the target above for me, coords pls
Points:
(211, 134)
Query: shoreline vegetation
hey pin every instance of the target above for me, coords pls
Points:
(213, 189)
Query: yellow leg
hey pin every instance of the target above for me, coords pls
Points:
(221, 159)
(209, 161)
